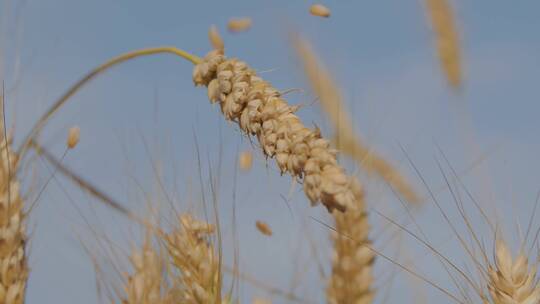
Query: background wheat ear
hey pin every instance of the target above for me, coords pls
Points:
(446, 39)
(14, 269)
(198, 277)
(147, 284)
(512, 280)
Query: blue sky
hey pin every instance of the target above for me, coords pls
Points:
(148, 111)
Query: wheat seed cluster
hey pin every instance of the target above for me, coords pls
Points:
(260, 111)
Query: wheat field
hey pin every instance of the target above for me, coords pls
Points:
(269, 152)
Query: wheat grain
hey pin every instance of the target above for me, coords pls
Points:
(215, 38)
(319, 10)
(260, 111)
(73, 137)
(263, 228)
(446, 39)
(512, 281)
(245, 160)
(239, 24)
(13, 262)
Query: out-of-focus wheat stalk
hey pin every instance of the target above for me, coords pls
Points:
(446, 39)
(13, 262)
(512, 281)
(347, 142)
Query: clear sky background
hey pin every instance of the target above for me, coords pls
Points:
(146, 114)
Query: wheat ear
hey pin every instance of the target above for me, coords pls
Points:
(512, 281)
(352, 261)
(147, 284)
(348, 142)
(13, 263)
(446, 39)
(260, 111)
(198, 279)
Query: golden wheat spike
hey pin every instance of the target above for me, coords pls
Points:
(259, 110)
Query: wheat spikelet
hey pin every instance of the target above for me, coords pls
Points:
(352, 263)
(259, 110)
(147, 284)
(512, 281)
(447, 40)
(13, 263)
(348, 142)
(215, 38)
(198, 280)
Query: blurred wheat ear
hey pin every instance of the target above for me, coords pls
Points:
(446, 39)
(14, 269)
(348, 142)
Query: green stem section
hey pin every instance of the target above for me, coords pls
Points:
(34, 132)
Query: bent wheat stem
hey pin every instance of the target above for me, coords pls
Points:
(34, 132)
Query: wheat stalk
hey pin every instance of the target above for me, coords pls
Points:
(13, 263)
(446, 39)
(512, 281)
